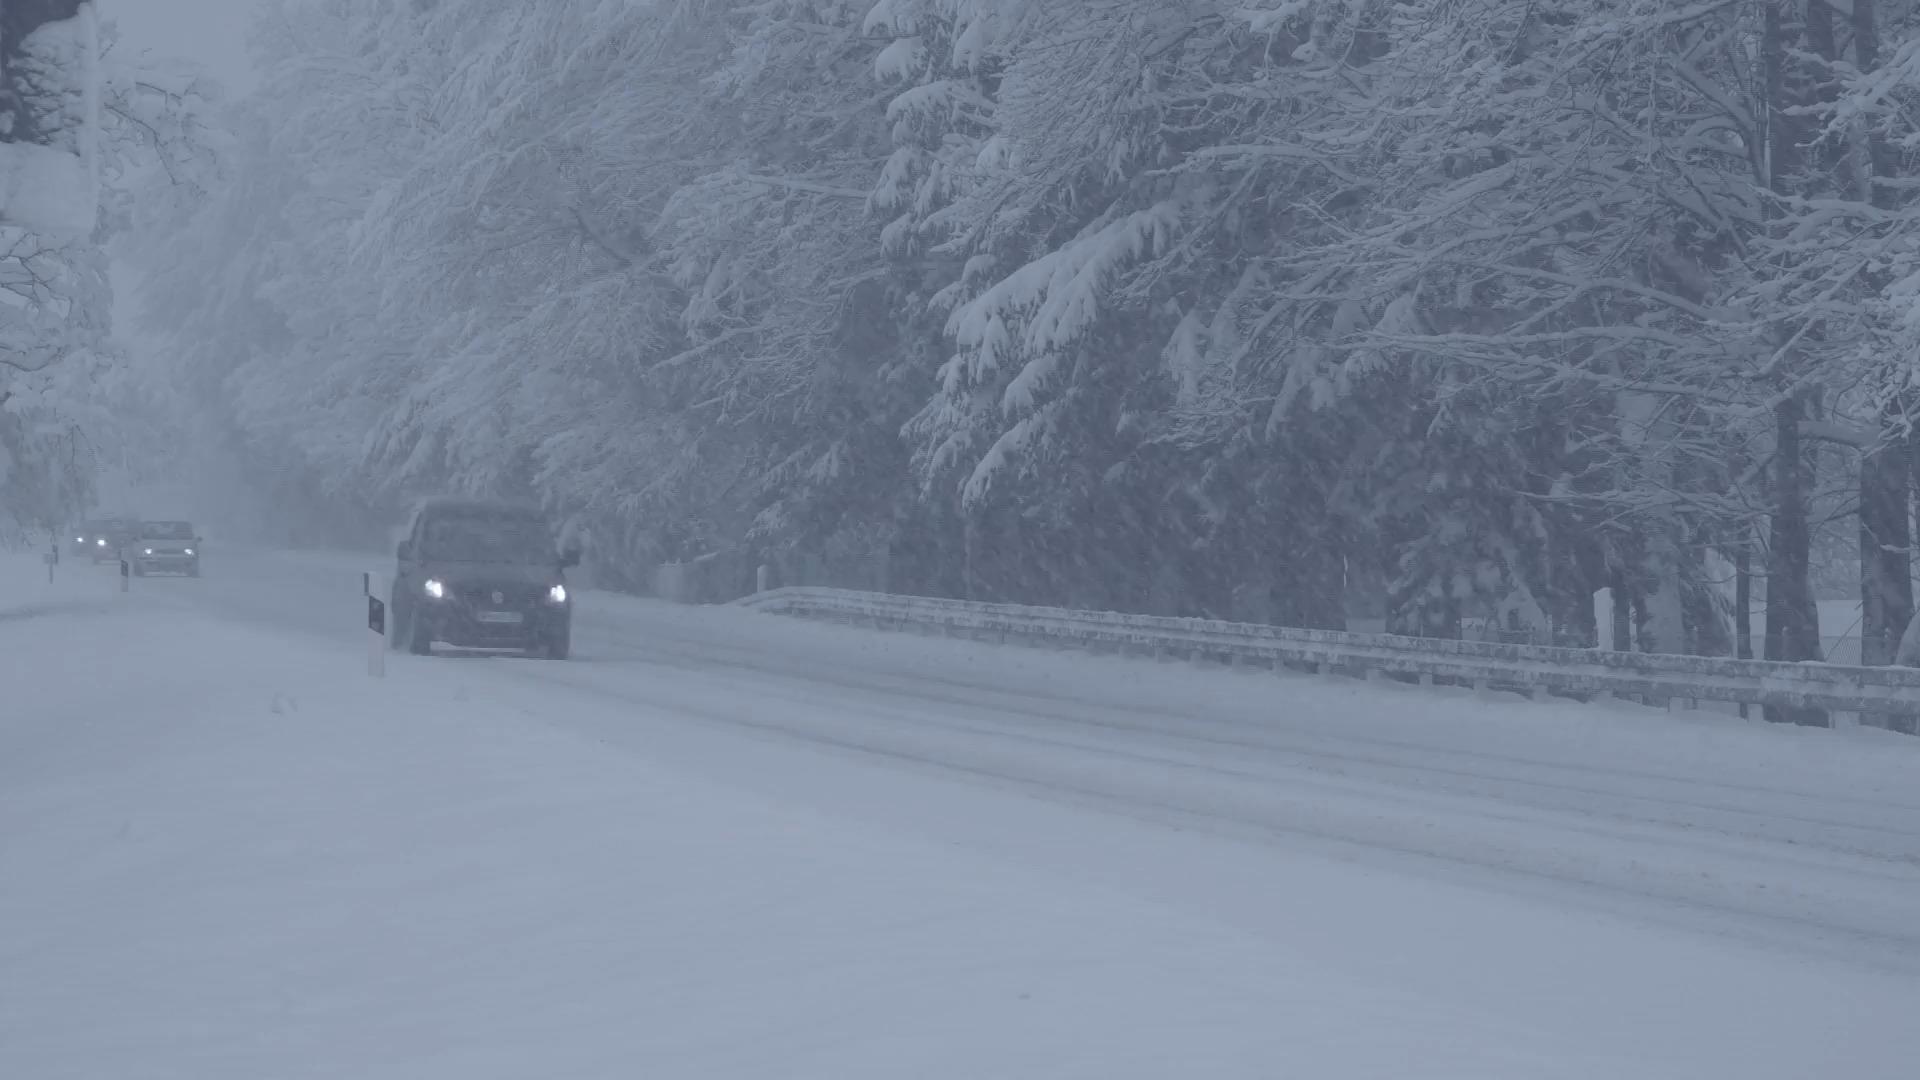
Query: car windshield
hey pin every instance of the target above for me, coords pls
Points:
(488, 538)
(167, 530)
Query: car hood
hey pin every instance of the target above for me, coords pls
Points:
(489, 573)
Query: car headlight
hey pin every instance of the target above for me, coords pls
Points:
(557, 594)
(189, 551)
(435, 588)
(147, 551)
(79, 539)
(102, 542)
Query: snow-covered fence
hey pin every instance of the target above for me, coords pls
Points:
(1538, 670)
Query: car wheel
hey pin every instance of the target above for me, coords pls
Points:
(396, 615)
(419, 636)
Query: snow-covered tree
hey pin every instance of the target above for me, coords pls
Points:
(83, 133)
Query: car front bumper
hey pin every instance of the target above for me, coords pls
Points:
(466, 627)
(166, 561)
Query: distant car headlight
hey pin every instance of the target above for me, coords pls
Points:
(557, 594)
(79, 539)
(435, 588)
(148, 551)
(189, 551)
(102, 542)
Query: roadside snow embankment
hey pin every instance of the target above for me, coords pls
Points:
(26, 592)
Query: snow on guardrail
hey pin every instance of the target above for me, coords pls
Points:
(1534, 669)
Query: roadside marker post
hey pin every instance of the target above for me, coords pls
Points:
(376, 628)
(126, 575)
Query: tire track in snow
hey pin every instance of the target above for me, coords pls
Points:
(1861, 919)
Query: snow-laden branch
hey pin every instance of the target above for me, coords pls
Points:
(49, 122)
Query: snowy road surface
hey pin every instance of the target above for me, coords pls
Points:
(722, 844)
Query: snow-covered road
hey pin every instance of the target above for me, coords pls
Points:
(728, 844)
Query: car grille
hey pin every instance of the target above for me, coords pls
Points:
(513, 597)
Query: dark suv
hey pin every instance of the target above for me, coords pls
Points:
(481, 574)
(104, 539)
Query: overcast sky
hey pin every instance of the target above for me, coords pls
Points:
(213, 32)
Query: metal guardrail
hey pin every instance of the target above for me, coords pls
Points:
(1532, 669)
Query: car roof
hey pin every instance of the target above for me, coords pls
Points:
(454, 505)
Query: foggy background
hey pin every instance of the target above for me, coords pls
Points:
(1074, 304)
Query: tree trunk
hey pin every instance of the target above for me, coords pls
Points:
(1886, 583)
(1743, 603)
(1366, 600)
(1622, 611)
(1707, 630)
(1793, 621)
(1866, 52)
(1880, 503)
(1743, 606)
(1664, 629)
(1886, 579)
(1575, 624)
(1793, 618)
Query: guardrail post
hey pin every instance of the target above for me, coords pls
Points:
(762, 578)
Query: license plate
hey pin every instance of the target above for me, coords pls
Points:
(500, 616)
